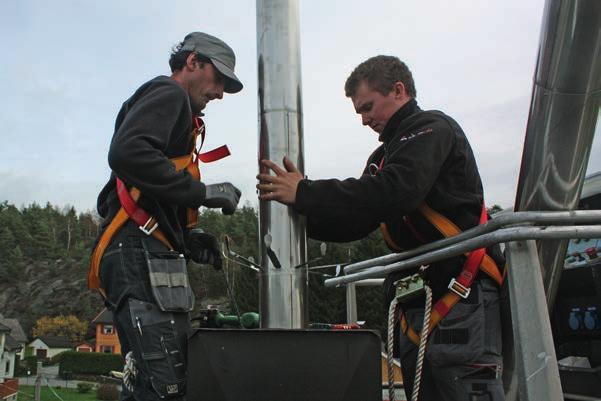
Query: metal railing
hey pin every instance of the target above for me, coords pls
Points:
(536, 375)
(523, 226)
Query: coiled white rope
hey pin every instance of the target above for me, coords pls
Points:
(423, 340)
(390, 346)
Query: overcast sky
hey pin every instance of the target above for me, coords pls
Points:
(69, 65)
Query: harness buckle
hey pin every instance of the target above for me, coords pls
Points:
(149, 222)
(459, 289)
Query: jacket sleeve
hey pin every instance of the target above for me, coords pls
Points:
(339, 230)
(413, 163)
(137, 153)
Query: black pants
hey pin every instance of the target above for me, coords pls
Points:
(157, 339)
(463, 359)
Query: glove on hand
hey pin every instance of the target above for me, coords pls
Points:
(204, 248)
(223, 195)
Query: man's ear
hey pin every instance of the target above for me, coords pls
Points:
(399, 90)
(191, 62)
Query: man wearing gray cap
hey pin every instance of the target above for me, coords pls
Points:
(149, 206)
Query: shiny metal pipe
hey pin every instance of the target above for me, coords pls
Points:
(565, 107)
(351, 303)
(370, 282)
(506, 219)
(486, 240)
(351, 296)
(283, 290)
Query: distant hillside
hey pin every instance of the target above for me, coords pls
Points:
(44, 259)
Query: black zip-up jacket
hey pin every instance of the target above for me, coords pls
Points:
(426, 158)
(153, 126)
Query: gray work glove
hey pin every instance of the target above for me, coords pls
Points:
(204, 248)
(223, 195)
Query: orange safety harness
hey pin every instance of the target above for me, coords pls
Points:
(147, 223)
(459, 287)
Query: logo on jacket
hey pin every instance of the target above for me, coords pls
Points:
(416, 134)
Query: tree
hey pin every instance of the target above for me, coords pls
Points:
(66, 326)
(494, 209)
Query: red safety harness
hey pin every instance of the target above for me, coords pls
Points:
(147, 223)
(459, 287)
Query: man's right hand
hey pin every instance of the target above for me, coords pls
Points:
(223, 195)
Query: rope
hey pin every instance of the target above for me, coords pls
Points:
(390, 346)
(231, 295)
(422, 344)
(230, 291)
(51, 389)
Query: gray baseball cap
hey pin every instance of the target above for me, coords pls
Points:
(221, 55)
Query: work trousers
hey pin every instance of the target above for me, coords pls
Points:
(463, 360)
(157, 339)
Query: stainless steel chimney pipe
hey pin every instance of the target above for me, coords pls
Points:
(283, 285)
(561, 125)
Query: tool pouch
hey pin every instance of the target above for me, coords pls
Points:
(169, 281)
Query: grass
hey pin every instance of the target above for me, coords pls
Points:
(67, 394)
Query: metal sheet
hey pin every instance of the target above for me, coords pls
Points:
(283, 291)
(563, 113)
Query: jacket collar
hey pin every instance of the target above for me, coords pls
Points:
(405, 111)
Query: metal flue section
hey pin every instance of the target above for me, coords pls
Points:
(282, 237)
(561, 124)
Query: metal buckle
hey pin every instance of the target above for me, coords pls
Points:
(145, 228)
(463, 291)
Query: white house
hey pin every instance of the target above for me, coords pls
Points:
(8, 349)
(17, 333)
(49, 346)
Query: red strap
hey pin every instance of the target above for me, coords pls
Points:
(212, 155)
(130, 206)
(441, 308)
(470, 268)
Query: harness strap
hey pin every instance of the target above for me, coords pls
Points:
(130, 209)
(459, 287)
(449, 229)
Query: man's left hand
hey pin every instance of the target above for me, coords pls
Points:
(204, 248)
(281, 187)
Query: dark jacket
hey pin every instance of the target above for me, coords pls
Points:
(426, 158)
(153, 126)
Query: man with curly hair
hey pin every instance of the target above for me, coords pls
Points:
(149, 206)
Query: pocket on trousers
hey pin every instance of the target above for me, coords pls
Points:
(160, 351)
(169, 281)
(459, 337)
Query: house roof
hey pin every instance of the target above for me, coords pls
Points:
(11, 344)
(16, 331)
(105, 316)
(56, 341)
(4, 328)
